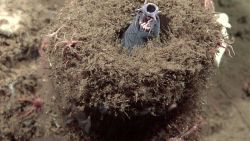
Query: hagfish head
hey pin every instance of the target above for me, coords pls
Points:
(148, 14)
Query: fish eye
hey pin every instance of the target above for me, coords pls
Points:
(139, 11)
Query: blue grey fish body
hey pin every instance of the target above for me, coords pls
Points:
(146, 25)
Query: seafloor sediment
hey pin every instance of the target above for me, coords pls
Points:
(154, 93)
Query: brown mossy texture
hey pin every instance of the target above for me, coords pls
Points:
(93, 73)
(131, 97)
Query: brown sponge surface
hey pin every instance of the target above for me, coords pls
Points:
(93, 73)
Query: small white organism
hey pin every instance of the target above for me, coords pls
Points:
(9, 22)
(223, 19)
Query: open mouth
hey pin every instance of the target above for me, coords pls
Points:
(146, 22)
(148, 16)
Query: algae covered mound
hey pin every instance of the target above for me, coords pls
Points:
(93, 73)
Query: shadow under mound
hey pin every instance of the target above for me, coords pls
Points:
(146, 128)
(178, 119)
(131, 94)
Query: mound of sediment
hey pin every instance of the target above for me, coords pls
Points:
(93, 73)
